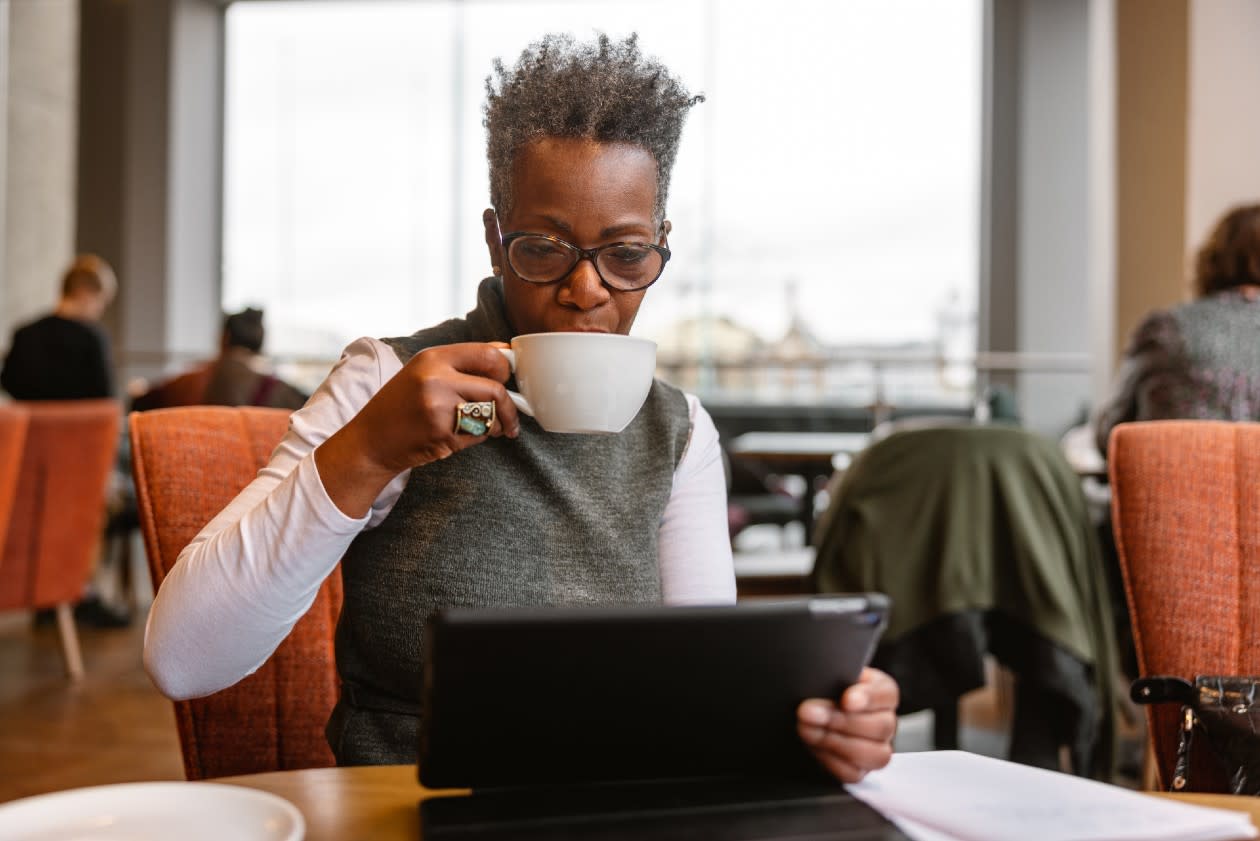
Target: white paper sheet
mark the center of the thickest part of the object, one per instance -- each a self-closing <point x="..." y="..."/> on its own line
<point x="937" y="795"/>
<point x="916" y="831"/>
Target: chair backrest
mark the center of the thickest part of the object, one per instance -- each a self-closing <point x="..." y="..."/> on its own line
<point x="58" y="512"/>
<point x="186" y="389"/>
<point x="190" y="463"/>
<point x="1186" y="515"/>
<point x="13" y="421"/>
<point x="985" y="511"/>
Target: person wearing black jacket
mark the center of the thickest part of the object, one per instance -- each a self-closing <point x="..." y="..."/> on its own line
<point x="65" y="355"/>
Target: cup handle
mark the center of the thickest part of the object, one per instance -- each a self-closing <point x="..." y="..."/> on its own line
<point x="521" y="402"/>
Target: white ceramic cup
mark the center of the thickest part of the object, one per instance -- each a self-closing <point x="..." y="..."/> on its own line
<point x="581" y="382"/>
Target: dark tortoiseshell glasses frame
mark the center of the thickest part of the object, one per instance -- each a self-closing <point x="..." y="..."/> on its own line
<point x="577" y="255"/>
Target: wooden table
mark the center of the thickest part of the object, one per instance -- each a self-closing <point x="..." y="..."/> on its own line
<point x="382" y="802"/>
<point x="1250" y="805"/>
<point x="377" y="802"/>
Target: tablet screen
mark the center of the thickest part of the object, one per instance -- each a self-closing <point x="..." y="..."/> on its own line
<point x="543" y="696"/>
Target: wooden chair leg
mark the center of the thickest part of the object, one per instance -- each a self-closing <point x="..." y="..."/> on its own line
<point x="69" y="641"/>
<point x="1150" y="769"/>
<point x="125" y="577"/>
<point x="1003" y="681"/>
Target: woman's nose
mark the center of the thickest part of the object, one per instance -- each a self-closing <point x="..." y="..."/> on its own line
<point x="582" y="288"/>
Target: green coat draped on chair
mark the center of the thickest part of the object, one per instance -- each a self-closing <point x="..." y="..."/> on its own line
<point x="981" y="537"/>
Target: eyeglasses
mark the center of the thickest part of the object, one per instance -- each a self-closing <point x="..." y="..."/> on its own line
<point x="624" y="266"/>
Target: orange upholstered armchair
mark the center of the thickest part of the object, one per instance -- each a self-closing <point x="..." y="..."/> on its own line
<point x="59" y="510"/>
<point x="189" y="463"/>
<point x="1186" y="514"/>
<point x="187" y="389"/>
<point x="13" y="421"/>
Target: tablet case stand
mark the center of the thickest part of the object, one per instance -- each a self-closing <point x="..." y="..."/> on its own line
<point x="564" y="721"/>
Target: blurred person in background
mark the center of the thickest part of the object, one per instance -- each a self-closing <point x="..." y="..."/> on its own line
<point x="239" y="376"/>
<point x="242" y="376"/>
<point x="65" y="355"/>
<point x="1199" y="360"/>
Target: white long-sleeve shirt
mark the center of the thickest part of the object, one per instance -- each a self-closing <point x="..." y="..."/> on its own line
<point x="243" y="582"/>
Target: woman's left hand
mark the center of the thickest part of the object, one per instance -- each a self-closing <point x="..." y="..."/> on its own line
<point x="854" y="736"/>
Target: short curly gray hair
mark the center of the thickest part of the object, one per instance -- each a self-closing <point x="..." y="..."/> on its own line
<point x="606" y="91"/>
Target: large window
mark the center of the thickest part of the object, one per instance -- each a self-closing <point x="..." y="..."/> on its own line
<point x="825" y="199"/>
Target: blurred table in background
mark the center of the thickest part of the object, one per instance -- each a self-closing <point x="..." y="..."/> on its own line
<point x="798" y="447"/>
<point x="1081" y="450"/>
<point x="810" y="455"/>
<point x="784" y="572"/>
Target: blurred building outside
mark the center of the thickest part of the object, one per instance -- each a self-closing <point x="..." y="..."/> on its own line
<point x="720" y="359"/>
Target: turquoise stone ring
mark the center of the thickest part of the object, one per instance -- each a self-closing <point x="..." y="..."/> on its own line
<point x="474" y="418"/>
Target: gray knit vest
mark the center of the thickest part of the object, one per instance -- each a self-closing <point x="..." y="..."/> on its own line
<point x="546" y="519"/>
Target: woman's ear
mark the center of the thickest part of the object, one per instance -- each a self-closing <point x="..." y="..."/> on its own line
<point x="490" y="221"/>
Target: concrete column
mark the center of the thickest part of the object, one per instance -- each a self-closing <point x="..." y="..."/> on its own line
<point x="152" y="187"/>
<point x="1053" y="229"/>
<point x="999" y="248"/>
<point x="194" y="268"/>
<point x="103" y="51"/>
<point x="38" y="104"/>
<point x="1102" y="196"/>
<point x="1047" y="210"/>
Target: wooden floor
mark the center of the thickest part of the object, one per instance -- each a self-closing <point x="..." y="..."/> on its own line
<point x="111" y="727"/>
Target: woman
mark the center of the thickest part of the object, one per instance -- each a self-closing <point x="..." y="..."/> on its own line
<point x="378" y="466"/>
<point x="1201" y="359"/>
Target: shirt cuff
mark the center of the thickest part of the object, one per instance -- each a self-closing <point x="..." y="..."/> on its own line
<point x="321" y="506"/>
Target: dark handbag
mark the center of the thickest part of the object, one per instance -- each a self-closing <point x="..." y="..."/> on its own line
<point x="1219" y="729"/>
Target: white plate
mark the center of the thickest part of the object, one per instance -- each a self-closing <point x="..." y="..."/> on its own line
<point x="153" y="812"/>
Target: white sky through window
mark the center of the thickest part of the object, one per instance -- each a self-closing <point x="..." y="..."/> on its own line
<point x="833" y="173"/>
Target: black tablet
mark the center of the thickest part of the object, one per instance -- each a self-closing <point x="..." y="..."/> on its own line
<point x="556" y="696"/>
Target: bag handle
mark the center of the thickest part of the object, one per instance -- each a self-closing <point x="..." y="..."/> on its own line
<point x="1172" y="690"/>
<point x="1163" y="690"/>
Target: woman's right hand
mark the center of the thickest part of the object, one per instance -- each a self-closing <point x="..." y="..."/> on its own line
<point x="411" y="421"/>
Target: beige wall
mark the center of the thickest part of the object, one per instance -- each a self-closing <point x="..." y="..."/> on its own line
<point x="1223" y="152"/>
<point x="1187" y="139"/>
<point x="1151" y="100"/>
<point x="39" y="104"/>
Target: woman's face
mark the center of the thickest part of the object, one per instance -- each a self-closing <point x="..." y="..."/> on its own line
<point x="588" y="194"/>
